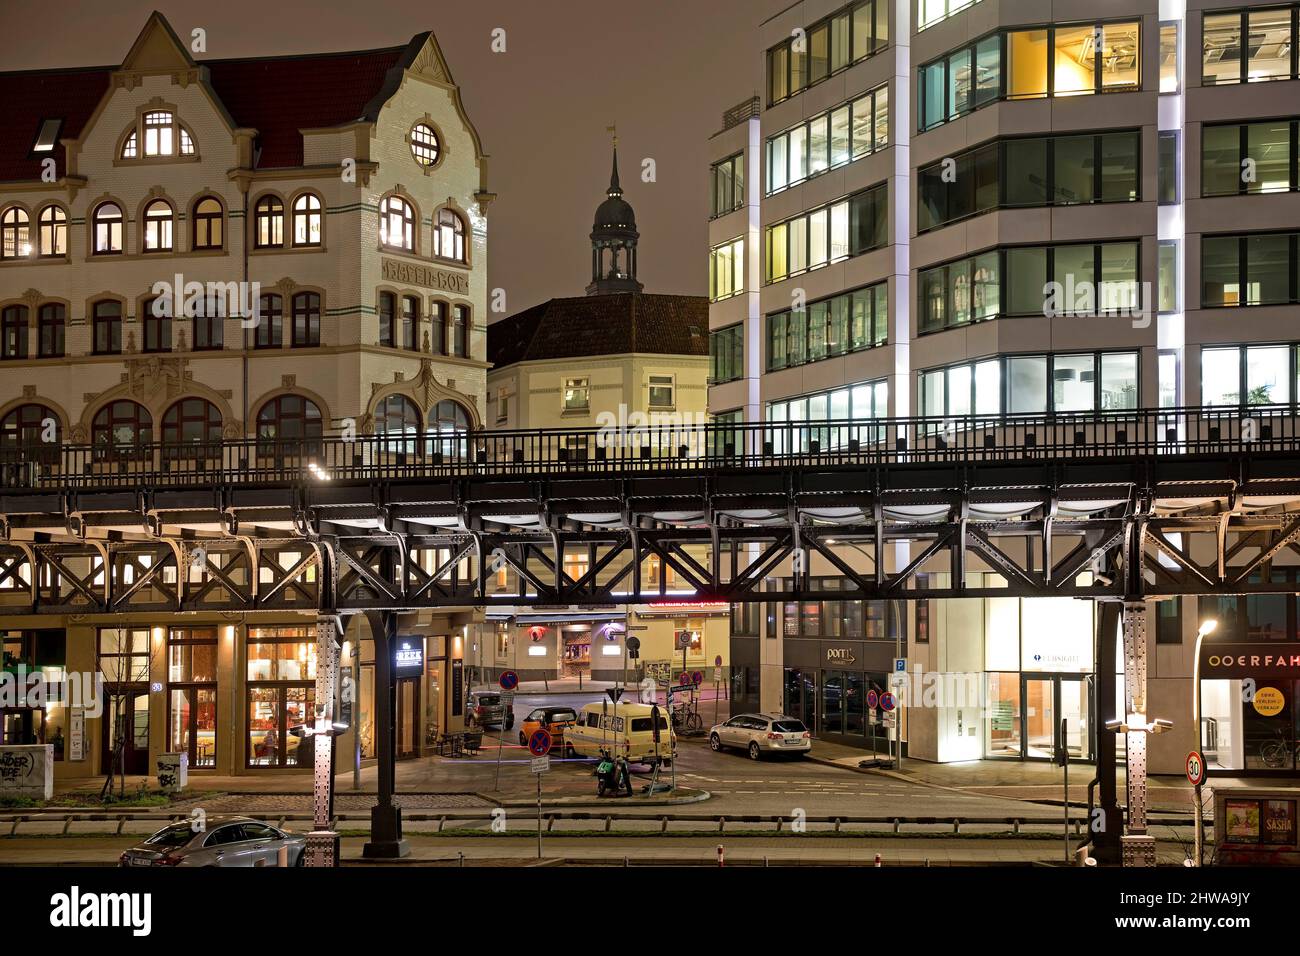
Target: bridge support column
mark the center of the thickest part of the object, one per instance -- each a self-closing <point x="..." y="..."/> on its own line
<point x="386" y="840"/>
<point x="1139" y="847"/>
<point x="323" y="841"/>
<point x="1109" y="825"/>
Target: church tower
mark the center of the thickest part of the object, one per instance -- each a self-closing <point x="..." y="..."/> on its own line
<point x="613" y="242"/>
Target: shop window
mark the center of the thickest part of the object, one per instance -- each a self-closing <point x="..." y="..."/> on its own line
<point x="280" y="695"/>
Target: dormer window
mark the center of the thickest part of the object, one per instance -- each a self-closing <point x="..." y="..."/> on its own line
<point x="159" y="134"/>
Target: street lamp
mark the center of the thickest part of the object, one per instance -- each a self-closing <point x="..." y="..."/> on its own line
<point x="1205" y="630"/>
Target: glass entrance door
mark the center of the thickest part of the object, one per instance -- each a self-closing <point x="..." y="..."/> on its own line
<point x="128" y="721"/>
<point x="1047" y="701"/>
<point x="1040" y="717"/>
<point x="1075" y="708"/>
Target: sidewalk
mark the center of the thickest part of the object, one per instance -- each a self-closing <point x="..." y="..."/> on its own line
<point x="1033" y="781"/>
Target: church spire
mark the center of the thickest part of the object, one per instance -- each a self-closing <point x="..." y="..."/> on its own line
<point x="614" y="240"/>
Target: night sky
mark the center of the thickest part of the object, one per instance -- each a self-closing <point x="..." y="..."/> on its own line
<point x="663" y="70"/>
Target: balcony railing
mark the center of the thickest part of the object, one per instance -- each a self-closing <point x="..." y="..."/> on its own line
<point x="659" y="448"/>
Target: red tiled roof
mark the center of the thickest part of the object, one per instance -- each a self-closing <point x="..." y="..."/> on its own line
<point x="28" y="99"/>
<point x="603" y="325"/>
<point x="277" y="96"/>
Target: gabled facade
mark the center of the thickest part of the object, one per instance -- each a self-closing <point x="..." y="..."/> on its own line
<point x="195" y="250"/>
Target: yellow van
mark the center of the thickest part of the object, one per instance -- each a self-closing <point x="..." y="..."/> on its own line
<point x="630" y="733"/>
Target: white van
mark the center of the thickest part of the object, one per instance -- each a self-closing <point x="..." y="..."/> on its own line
<point x="630" y="733"/>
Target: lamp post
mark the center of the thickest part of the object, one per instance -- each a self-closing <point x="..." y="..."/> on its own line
<point x="1205" y="630"/>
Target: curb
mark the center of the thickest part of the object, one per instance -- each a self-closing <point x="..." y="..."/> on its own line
<point x="697" y="796"/>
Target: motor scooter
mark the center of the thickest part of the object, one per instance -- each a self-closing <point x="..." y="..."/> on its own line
<point x="612" y="776"/>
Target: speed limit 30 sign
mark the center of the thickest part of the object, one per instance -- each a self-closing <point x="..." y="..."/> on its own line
<point x="1196" y="768"/>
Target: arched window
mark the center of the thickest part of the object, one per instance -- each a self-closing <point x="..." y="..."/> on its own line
<point x="53" y="231"/>
<point x="397" y="421"/>
<point x="209" y="226"/>
<point x="108" y="226"/>
<point x="424" y="145"/>
<point x="32" y="428"/>
<point x="387" y="318"/>
<point x="15" y="234"/>
<point x="410" y="332"/>
<point x="268" y="220"/>
<point x="307" y="220"/>
<point x="121" y="429"/>
<point x="13" y="332"/>
<point x="289" y="425"/>
<point x="50" y="321"/>
<point x="192" y="422"/>
<point x="449" y="236"/>
<point x="162" y="135"/>
<point x="460" y="331"/>
<point x="397" y="223"/>
<point x="306" y="320"/>
<point x="448" y="430"/>
<point x="438" y="328"/>
<point x="270" y="325"/>
<point x="158" y="226"/>
<point x="107" y="327"/>
<point x="156" y="321"/>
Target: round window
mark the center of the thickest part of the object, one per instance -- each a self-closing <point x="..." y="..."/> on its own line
<point x="424" y="145"/>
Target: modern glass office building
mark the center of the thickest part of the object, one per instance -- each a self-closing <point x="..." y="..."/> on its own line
<point x="952" y="208"/>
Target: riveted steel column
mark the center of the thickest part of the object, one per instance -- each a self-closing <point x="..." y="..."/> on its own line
<point x="322" y="841"/>
<point x="1139" y="847"/>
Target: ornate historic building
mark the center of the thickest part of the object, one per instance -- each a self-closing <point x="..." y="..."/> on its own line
<point x="192" y="250"/>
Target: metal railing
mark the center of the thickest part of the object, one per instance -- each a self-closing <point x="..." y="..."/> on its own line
<point x="660" y="448"/>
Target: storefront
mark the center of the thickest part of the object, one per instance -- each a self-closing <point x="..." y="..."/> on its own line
<point x="281" y="694"/>
<point x="26" y="715"/>
<point x="827" y="683"/>
<point x="1038" y="661"/>
<point x="1250" y="707"/>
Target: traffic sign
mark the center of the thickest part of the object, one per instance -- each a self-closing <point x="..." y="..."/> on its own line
<point x="539" y="744"/>
<point x="891" y="719"/>
<point x="717" y="661"/>
<point x="873" y="699"/>
<point x="900" y="665"/>
<point x="683" y="640"/>
<point x="1196" y="768"/>
<point x="508" y="680"/>
<point x="887" y="701"/>
<point x="540" y="764"/>
<point x="697" y="678"/>
<point x="614" y="693"/>
<point x="632" y="643"/>
<point x="717" y="674"/>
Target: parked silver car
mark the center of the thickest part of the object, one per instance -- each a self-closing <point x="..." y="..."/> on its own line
<point x="758" y="734"/>
<point x="485" y="709"/>
<point x="224" y="841"/>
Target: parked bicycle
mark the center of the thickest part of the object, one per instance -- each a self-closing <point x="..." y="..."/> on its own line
<point x="1277" y="753"/>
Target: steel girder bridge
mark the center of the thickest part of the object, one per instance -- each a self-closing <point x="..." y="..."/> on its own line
<point x="1115" y="507"/>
